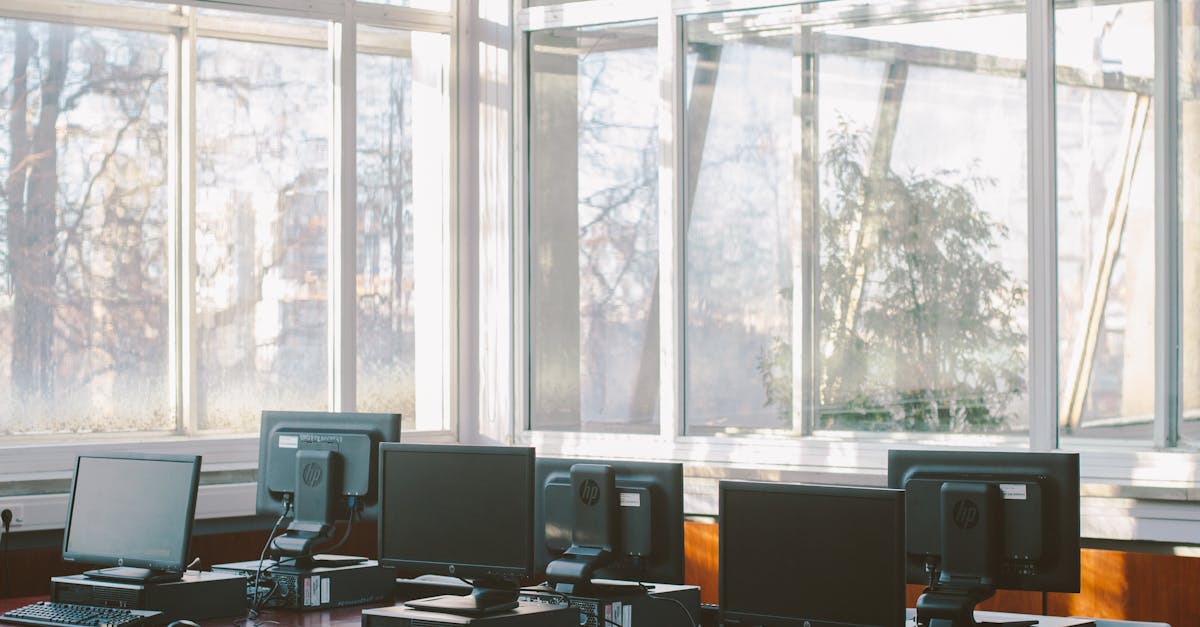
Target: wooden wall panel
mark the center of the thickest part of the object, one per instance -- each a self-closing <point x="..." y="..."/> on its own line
<point x="701" y="552"/>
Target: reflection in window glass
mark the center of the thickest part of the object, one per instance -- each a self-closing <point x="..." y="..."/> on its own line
<point x="1189" y="187"/>
<point x="1105" y="130"/>
<point x="843" y="146"/>
<point x="402" y="110"/>
<point x="262" y="114"/>
<point x="83" y="230"/>
<point x="594" y="229"/>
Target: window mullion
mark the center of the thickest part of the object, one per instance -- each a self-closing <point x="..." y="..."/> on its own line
<point x="671" y="236"/>
<point x="184" y="357"/>
<point x="1043" y="223"/>
<point x="1168" y="323"/>
<point x="342" y="225"/>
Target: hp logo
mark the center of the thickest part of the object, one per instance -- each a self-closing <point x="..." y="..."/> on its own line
<point x="452" y="569"/>
<point x="966" y="514"/>
<point x="589" y="492"/>
<point x="312" y="475"/>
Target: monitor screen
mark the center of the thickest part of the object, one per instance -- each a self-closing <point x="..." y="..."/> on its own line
<point x="801" y="554"/>
<point x="457" y="510"/>
<point x="132" y="510"/>
<point x="649" y="534"/>
<point x="1037" y="536"/>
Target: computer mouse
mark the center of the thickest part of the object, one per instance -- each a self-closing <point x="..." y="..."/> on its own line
<point x="183" y="622"/>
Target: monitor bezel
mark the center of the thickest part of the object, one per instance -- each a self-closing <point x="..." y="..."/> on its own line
<point x="973" y="465"/>
<point x="173" y="566"/>
<point x="386" y="425"/>
<point x="896" y="497"/>
<point x="458" y="569"/>
<point x="666" y="476"/>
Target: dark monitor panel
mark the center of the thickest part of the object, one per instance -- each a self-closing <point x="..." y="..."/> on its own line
<point x="457" y="510"/>
<point x="350" y="440"/>
<point x="817" y="556"/>
<point x="132" y="510"/>
<point x="1036" y="520"/>
<point x="648" y="517"/>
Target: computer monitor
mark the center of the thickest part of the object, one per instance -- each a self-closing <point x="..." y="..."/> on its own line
<point x="823" y="556"/>
<point x="982" y="520"/>
<point x="608" y="519"/>
<point x="134" y="513"/>
<point x="320" y="468"/>
<point x="465" y="511"/>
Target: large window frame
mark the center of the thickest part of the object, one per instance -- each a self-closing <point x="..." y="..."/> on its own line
<point x="1167" y="470"/>
<point x="33" y="468"/>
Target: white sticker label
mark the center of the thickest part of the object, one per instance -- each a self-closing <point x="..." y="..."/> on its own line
<point x="289" y="441"/>
<point x="628" y="616"/>
<point x="307" y="587"/>
<point x="631" y="499"/>
<point x="1014" y="491"/>
<point x="325" y="590"/>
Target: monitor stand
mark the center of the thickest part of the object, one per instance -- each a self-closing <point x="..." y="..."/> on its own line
<point x="487" y="597"/>
<point x="133" y="575"/>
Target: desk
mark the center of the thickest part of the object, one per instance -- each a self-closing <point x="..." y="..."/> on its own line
<point x="340" y="617"/>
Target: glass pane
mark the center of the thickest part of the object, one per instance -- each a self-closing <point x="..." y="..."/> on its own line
<point x="1189" y="184"/>
<point x="825" y="165"/>
<point x="593" y="198"/>
<point x="430" y="5"/>
<point x="403" y="189"/>
<point x="1106" y="220"/>
<point x="83" y="230"/>
<point x="262" y="114"/>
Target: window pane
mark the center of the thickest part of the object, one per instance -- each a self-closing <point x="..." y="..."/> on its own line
<point x="83" y="230"/>
<point x="403" y="190"/>
<point x="1189" y="183"/>
<point x="593" y="199"/>
<point x="262" y="119"/>
<point x="430" y="5"/>
<point x="843" y="145"/>
<point x="1106" y="219"/>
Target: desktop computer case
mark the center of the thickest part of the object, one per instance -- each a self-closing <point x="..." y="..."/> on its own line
<point x="627" y="606"/>
<point x="314" y="588"/>
<point x="525" y="615"/>
<point x="198" y="596"/>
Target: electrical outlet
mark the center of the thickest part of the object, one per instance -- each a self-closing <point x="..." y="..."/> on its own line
<point x="18" y="511"/>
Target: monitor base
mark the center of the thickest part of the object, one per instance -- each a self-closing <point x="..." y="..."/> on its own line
<point x="132" y="575"/>
<point x="485" y="598"/>
<point x="954" y="606"/>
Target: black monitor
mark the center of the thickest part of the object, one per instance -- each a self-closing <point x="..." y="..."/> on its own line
<point x="465" y="511"/>
<point x="819" y="556"/>
<point x="608" y="519"/>
<point x="982" y="520"/>
<point x="134" y="513"/>
<point x="319" y="468"/>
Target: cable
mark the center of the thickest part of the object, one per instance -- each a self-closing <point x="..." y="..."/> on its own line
<point x="582" y="610"/>
<point x="255" y="603"/>
<point x="691" y="619"/>
<point x="6" y="519"/>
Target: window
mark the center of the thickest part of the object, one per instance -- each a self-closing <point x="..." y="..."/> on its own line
<point x="829" y="190"/>
<point x="165" y="220"/>
<point x="262" y="152"/>
<point x="83" y="230"/>
<point x="593" y="322"/>
<point x="403" y="110"/>
<point x="1106" y="220"/>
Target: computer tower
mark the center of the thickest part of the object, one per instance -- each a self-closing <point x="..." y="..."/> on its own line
<point x="622" y="604"/>
<point x="198" y="596"/>
<point x="289" y="587"/>
<point x="525" y="615"/>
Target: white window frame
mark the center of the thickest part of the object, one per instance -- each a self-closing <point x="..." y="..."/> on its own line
<point x="1132" y="491"/>
<point x="33" y="469"/>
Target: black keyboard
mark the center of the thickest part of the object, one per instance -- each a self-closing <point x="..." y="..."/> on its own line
<point x="49" y="614"/>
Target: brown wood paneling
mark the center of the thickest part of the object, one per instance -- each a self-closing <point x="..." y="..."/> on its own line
<point x="1134" y="586"/>
<point x="701" y="552"/>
